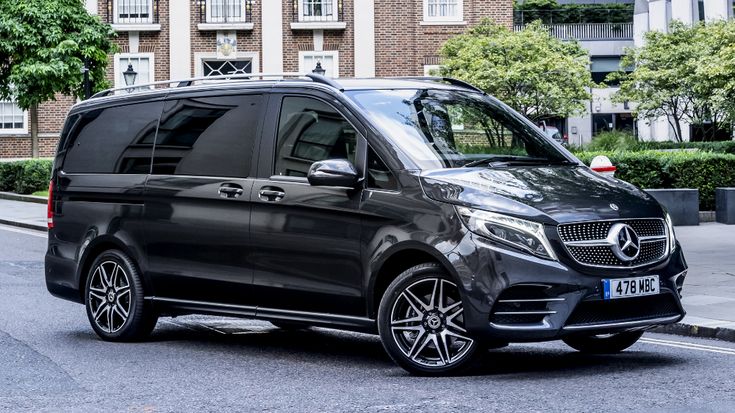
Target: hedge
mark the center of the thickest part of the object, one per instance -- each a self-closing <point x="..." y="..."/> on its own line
<point x="625" y="141"/>
<point x="25" y="177"/>
<point x="653" y="169"/>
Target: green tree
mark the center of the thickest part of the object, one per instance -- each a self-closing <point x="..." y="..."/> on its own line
<point x="44" y="45"/>
<point x="534" y="73"/>
<point x="683" y="75"/>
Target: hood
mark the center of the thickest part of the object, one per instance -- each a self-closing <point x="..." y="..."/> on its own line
<point x="548" y="194"/>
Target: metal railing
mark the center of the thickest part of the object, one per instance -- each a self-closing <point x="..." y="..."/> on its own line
<point x="225" y="11"/>
<point x="318" y="11"/>
<point x="132" y="11"/>
<point x="588" y="31"/>
<point x="575" y="15"/>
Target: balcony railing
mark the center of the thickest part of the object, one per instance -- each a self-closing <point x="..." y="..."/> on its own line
<point x="225" y="11"/>
<point x="622" y="13"/>
<point x="588" y="31"/>
<point x="132" y="12"/>
<point x="318" y="11"/>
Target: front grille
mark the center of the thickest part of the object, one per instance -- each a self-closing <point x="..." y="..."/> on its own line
<point x="651" y="250"/>
<point x="623" y="309"/>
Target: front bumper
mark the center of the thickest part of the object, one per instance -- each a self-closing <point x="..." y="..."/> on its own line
<point x="514" y="297"/>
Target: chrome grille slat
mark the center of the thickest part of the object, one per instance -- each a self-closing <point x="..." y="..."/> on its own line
<point x="586" y="242"/>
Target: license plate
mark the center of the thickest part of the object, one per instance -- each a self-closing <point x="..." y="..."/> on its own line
<point x="630" y="287"/>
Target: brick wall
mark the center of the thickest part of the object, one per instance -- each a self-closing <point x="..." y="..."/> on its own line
<point x="20" y="147"/>
<point x="303" y="40"/>
<point x="403" y="45"/>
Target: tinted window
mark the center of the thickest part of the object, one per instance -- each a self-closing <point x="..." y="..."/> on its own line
<point x="310" y="130"/>
<point x="208" y="136"/>
<point x="379" y="176"/>
<point x="113" y="140"/>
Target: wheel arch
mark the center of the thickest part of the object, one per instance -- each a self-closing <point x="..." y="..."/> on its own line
<point x="93" y="249"/>
<point x="395" y="261"/>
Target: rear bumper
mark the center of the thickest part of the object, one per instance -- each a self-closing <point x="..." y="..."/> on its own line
<point x="515" y="297"/>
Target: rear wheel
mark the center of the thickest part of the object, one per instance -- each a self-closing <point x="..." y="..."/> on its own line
<point x="421" y="323"/>
<point x="114" y="299"/>
<point x="603" y="343"/>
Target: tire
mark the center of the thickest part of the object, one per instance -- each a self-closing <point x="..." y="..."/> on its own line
<point x="603" y="344"/>
<point x="114" y="286"/>
<point x="421" y="323"/>
<point x="290" y="325"/>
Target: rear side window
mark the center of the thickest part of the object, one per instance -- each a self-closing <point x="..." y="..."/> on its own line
<point x="208" y="136"/>
<point x="310" y="130"/>
<point x="113" y="140"/>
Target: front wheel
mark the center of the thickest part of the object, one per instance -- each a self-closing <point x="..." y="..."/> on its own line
<point x="603" y="343"/>
<point x="421" y="323"/>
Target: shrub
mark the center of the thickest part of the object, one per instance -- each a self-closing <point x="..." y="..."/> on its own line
<point x="704" y="171"/>
<point x="613" y="141"/>
<point x="25" y="177"/>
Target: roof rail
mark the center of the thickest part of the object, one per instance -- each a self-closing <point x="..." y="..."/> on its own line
<point x="452" y="81"/>
<point x="245" y="76"/>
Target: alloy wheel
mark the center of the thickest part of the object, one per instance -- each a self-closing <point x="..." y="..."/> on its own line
<point x="427" y="323"/>
<point x="109" y="296"/>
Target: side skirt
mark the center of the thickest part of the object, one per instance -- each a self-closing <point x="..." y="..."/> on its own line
<point x="175" y="306"/>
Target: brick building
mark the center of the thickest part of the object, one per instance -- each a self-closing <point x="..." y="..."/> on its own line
<point x="175" y="39"/>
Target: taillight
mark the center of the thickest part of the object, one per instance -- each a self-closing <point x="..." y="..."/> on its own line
<point x="49" y="207"/>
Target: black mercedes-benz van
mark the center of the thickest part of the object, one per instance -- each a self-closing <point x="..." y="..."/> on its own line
<point x="421" y="209"/>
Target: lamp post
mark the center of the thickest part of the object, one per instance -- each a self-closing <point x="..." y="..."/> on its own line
<point x="129" y="75"/>
<point x="319" y="70"/>
<point x="86" y="82"/>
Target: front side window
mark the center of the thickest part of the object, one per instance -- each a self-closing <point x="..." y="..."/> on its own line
<point x="443" y="10"/>
<point x="133" y="11"/>
<point x="451" y="128"/>
<point x="310" y="130"/>
<point x="12" y="118"/>
<point x="318" y="10"/>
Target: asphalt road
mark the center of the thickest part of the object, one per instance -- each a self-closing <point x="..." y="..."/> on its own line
<point x="50" y="360"/>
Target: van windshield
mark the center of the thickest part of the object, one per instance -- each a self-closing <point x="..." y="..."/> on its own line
<point x="451" y="129"/>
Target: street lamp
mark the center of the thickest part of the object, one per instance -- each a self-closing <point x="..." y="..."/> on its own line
<point x="319" y="70"/>
<point x="86" y="82"/>
<point x="129" y="75"/>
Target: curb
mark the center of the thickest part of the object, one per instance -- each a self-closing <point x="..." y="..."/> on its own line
<point x="25" y="198"/>
<point x="25" y="225"/>
<point x="691" y="330"/>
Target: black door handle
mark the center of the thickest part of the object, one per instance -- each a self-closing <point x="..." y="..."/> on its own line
<point x="271" y="194"/>
<point x="230" y="191"/>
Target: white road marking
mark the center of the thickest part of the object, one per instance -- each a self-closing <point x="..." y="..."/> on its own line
<point x="25" y="231"/>
<point x="689" y="346"/>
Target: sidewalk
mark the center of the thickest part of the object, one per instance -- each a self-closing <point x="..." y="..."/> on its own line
<point x="709" y="290"/>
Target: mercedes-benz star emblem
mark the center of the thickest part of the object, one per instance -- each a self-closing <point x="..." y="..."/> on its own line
<point x="624" y="241"/>
<point x="614" y="207"/>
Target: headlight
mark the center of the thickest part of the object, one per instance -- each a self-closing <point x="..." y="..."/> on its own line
<point x="519" y="233"/>
<point x="670" y="227"/>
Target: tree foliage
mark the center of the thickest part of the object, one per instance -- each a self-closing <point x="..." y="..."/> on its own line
<point x="686" y="75"/>
<point x="43" y="47"/>
<point x="533" y="72"/>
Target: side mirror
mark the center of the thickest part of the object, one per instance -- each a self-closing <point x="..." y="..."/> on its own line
<point x="333" y="172"/>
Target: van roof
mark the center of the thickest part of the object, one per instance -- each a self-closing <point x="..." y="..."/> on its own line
<point x="313" y="82"/>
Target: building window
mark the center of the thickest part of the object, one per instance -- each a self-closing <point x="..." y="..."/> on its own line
<point x="431" y="70"/>
<point x="133" y="11"/>
<point x="443" y="10"/>
<point x="228" y="11"/>
<point x="329" y="61"/>
<point x="318" y="10"/>
<point x="142" y="64"/>
<point x="602" y="66"/>
<point x="12" y="118"/>
<point x="226" y="67"/>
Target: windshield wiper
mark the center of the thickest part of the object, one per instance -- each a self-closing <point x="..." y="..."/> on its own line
<point x="508" y="159"/>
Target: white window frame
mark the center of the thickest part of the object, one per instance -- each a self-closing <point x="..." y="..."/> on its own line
<point x="119" y="67"/>
<point x="334" y="54"/>
<point x="243" y="13"/>
<point x="433" y="19"/>
<point x="128" y="20"/>
<point x="16" y="131"/>
<point x="333" y="18"/>
<point x="199" y="58"/>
